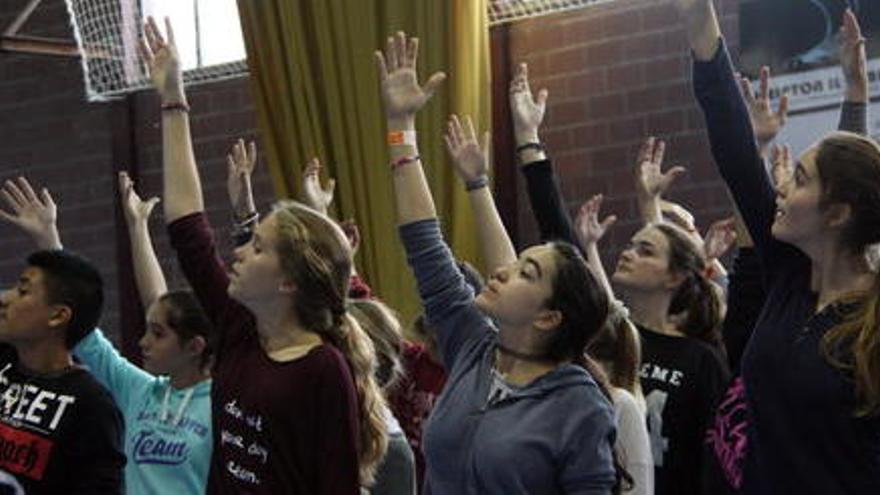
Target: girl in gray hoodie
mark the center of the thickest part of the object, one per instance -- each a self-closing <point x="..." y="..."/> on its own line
<point x="520" y="413"/>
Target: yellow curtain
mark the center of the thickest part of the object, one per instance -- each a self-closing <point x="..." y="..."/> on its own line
<point x="316" y="93"/>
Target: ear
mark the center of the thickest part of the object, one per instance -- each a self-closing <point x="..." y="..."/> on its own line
<point x="197" y="345"/>
<point x="837" y="214"/>
<point x="287" y="287"/>
<point x="548" y="319"/>
<point x="60" y="317"/>
<point x="674" y="280"/>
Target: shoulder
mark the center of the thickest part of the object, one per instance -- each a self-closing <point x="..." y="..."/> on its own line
<point x="89" y="396"/>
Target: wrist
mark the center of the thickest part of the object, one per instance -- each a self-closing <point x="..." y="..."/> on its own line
<point x="525" y="137"/>
<point x="856" y="93"/>
<point x="402" y="123"/>
<point x="476" y="183"/>
<point x="173" y="96"/>
<point x="49" y="240"/>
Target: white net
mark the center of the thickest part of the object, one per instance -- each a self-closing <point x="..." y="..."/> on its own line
<point x="208" y="37"/>
<point x="503" y="11"/>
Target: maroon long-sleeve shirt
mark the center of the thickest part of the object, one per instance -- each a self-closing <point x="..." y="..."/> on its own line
<point x="279" y="427"/>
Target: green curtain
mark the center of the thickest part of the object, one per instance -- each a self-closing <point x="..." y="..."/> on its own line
<point x="316" y="93"/>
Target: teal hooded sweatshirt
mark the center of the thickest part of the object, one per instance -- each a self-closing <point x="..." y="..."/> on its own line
<point x="167" y="431"/>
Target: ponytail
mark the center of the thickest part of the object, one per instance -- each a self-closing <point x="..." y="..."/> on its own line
<point x="853" y="346"/>
<point x="700" y="305"/>
<point x="355" y="345"/>
<point x="623" y="481"/>
<point x="696" y="300"/>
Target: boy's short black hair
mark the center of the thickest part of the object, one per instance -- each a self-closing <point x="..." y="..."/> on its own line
<point x="72" y="281"/>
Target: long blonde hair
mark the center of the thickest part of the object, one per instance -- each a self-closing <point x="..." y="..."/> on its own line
<point x="315" y="254"/>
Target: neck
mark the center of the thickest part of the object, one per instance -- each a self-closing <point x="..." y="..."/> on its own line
<point x="836" y="276"/>
<point x="516" y="357"/>
<point x="188" y="377"/>
<point x="279" y="328"/>
<point x="650" y="310"/>
<point x="44" y="356"/>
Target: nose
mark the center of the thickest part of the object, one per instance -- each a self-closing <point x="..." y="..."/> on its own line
<point x="142" y="343"/>
<point x="501" y="274"/>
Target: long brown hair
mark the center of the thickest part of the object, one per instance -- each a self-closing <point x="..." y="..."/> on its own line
<point x="383" y="326"/>
<point x="617" y="348"/>
<point x="583" y="304"/>
<point x="695" y="298"/>
<point x="315" y="254"/>
<point x="849" y="171"/>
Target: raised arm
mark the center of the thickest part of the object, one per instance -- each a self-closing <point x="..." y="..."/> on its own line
<point x="731" y="137"/>
<point x="471" y="160"/>
<point x="240" y="167"/>
<point x="854" y="65"/>
<point x="36" y="216"/>
<point x="651" y="181"/>
<point x="189" y="230"/>
<point x="545" y="195"/>
<point x="403" y="96"/>
<point x="182" y="188"/>
<point x="447" y="298"/>
<point x="316" y="195"/>
<point x="147" y="272"/>
<point x="766" y="122"/>
<point x="590" y="231"/>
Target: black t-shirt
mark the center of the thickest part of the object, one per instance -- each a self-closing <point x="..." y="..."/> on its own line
<point x="682" y="379"/>
<point x="59" y="433"/>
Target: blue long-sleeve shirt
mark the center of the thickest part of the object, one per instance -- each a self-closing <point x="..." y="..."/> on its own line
<point x="553" y="436"/>
<point x="803" y="435"/>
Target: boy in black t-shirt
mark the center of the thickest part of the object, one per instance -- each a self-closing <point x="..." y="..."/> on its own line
<point x="60" y="431"/>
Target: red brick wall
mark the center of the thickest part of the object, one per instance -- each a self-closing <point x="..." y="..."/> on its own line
<point x="52" y="135"/>
<point x="617" y="73"/>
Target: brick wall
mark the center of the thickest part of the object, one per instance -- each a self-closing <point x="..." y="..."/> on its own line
<point x="617" y="73"/>
<point x="52" y="135"/>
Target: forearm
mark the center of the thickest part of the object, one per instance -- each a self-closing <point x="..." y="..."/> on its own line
<point x="595" y="263"/>
<point x="649" y="209"/>
<point x="182" y="189"/>
<point x="548" y="205"/>
<point x="854" y="117"/>
<point x="49" y="240"/>
<point x="704" y="32"/>
<point x="147" y="271"/>
<point x="411" y="192"/>
<point x="495" y="245"/>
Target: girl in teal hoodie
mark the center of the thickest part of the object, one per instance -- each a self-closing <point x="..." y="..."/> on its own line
<point x="167" y="404"/>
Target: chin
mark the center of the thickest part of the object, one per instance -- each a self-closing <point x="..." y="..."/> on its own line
<point x="483" y="304"/>
<point x="779" y="232"/>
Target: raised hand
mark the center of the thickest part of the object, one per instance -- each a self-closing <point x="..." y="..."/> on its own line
<point x="720" y="238"/>
<point x="137" y="211"/>
<point x="314" y="194"/>
<point x="651" y="180"/>
<point x="163" y="61"/>
<point x="782" y="168"/>
<point x="765" y="122"/>
<point x="36" y="215"/>
<point x="589" y="229"/>
<point x="853" y="60"/>
<point x="240" y="166"/>
<point x="402" y="95"/>
<point x="470" y="157"/>
<point x="526" y="110"/>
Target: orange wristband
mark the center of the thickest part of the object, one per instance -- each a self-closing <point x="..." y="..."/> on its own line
<point x="396" y="138"/>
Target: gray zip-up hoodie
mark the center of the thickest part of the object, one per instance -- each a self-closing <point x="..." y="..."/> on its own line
<point x="553" y="436"/>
